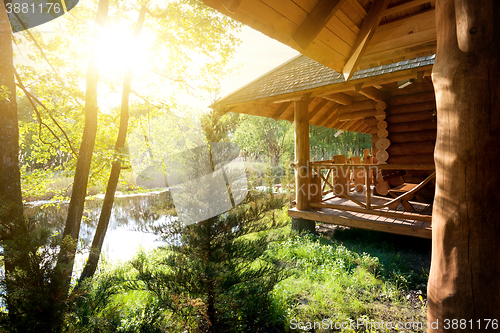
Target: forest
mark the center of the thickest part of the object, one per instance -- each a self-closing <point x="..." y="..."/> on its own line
<point x="96" y="114"/>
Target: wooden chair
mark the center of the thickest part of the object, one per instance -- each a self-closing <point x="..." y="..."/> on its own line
<point x="404" y="191"/>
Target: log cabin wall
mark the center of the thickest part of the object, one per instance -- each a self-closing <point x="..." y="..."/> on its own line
<point x="412" y="126"/>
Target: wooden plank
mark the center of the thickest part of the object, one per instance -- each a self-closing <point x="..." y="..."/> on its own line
<point x="384" y="213"/>
<point x="413" y="116"/>
<point x="420" y="136"/>
<point x="327" y="116"/>
<point x="317" y="108"/>
<point x="340" y="98"/>
<point x="357" y="126"/>
<point x="404" y="6"/>
<point x="231" y="5"/>
<point x="358" y="106"/>
<point x="403" y="41"/>
<point x="316" y="21"/>
<point x="356" y="115"/>
<point x="414" y="88"/>
<point x="366" y="32"/>
<point x="412" y="148"/>
<point x="397" y="53"/>
<point x="347" y="125"/>
<point x="411" y="108"/>
<point x="422" y="232"/>
<point x="412" y="99"/>
<point x="405" y="26"/>
<point x="374" y="94"/>
<point x="281" y="110"/>
<point x="412" y="126"/>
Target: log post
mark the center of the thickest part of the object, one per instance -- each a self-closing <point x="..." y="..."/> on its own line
<point x="302" y="170"/>
<point x="464" y="279"/>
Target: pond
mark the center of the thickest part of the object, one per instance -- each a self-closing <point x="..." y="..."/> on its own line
<point x="129" y="227"/>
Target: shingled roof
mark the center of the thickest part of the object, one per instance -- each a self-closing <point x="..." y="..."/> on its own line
<point x="302" y="73"/>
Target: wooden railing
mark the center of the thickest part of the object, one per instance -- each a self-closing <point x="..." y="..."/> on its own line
<point x="340" y="178"/>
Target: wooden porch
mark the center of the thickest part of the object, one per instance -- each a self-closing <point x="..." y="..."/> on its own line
<point x="408" y="225"/>
<point x="343" y="194"/>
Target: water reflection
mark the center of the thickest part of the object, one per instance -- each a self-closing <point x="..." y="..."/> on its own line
<point x="132" y="218"/>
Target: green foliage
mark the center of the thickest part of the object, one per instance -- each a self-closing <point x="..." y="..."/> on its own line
<point x="4" y="92"/>
<point x="188" y="47"/>
<point x="324" y="144"/>
<point x="265" y="137"/>
<point x="218" y="272"/>
<point x="338" y="283"/>
<point x="273" y="141"/>
<point x="34" y="303"/>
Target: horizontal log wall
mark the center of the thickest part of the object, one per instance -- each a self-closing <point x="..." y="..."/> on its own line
<point x="411" y="123"/>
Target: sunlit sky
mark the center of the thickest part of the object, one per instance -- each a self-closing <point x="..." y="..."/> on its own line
<point x="256" y="55"/>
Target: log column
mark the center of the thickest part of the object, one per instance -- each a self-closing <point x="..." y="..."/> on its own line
<point x="302" y="170"/>
<point x="464" y="281"/>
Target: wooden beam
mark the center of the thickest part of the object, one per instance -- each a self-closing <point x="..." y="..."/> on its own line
<point x="404" y="6"/>
<point x="339" y="98"/>
<point x="281" y="110"/>
<point x="365" y="34"/>
<point x="358" y="127"/>
<point x="328" y="114"/>
<point x="315" y="21"/>
<point x="348" y="125"/>
<point x="318" y="108"/>
<point x="358" y="106"/>
<point x="231" y="5"/>
<point x="374" y="93"/>
<point x="356" y="115"/>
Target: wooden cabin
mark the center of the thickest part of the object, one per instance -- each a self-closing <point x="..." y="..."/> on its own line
<point x="395" y="103"/>
<point x="353" y="35"/>
<point x="365" y="67"/>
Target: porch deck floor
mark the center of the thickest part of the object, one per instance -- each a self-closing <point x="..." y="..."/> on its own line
<point x="369" y="221"/>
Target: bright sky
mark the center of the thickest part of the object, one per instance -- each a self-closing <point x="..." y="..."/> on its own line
<point x="257" y="55"/>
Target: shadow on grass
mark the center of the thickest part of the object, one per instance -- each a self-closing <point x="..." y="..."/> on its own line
<point x="399" y="255"/>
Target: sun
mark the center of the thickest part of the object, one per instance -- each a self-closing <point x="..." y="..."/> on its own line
<point x="118" y="49"/>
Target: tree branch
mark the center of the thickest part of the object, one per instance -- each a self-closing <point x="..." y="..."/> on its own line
<point x="30" y="97"/>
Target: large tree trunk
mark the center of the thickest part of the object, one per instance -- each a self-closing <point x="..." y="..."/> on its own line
<point x="109" y="197"/>
<point x="10" y="183"/>
<point x="11" y="204"/>
<point x="77" y="202"/>
<point x="464" y="280"/>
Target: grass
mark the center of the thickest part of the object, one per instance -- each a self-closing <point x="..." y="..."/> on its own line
<point x="337" y="277"/>
<point x="348" y="276"/>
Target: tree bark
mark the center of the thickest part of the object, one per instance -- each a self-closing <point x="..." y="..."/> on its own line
<point x="11" y="204"/>
<point x="464" y="280"/>
<point x="109" y="197"/>
<point x="10" y="180"/>
<point x="77" y="202"/>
